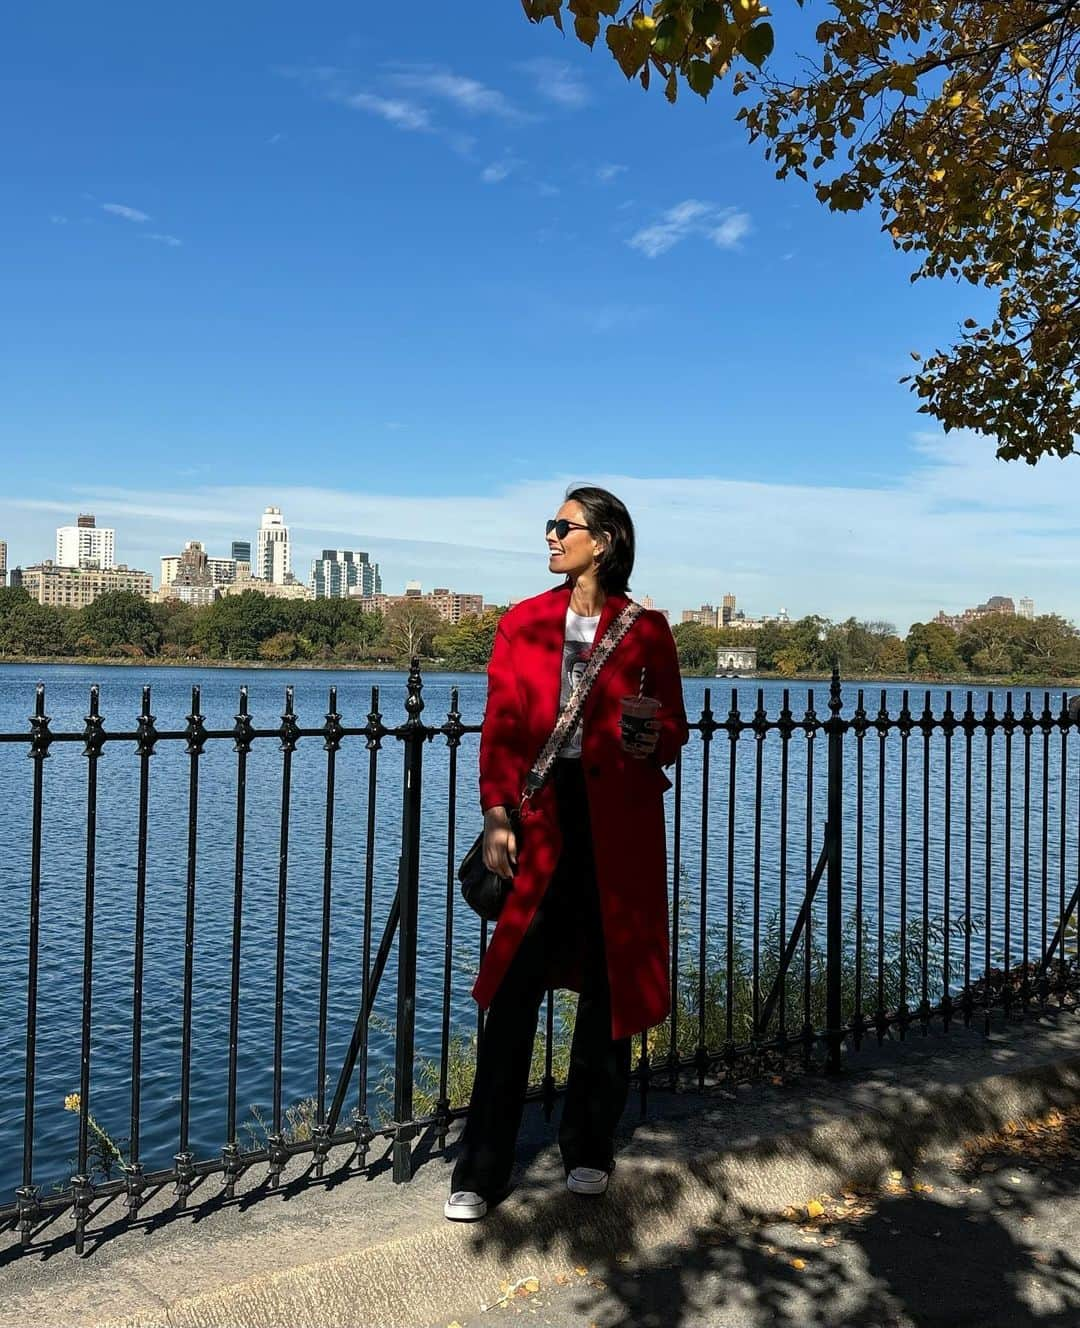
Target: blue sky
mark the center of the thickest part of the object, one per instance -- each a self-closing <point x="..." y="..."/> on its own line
<point x="407" y="278"/>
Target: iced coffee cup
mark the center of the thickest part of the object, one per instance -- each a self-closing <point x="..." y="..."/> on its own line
<point x="637" y="711"/>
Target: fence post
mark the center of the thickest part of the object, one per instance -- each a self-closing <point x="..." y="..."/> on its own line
<point x="835" y="727"/>
<point x="409" y="894"/>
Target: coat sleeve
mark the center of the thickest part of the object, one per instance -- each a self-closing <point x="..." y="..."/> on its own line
<point x="674" y="732"/>
<point x="501" y="761"/>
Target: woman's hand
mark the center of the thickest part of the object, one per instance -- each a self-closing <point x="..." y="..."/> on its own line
<point x="645" y="743"/>
<point x="500" y="843"/>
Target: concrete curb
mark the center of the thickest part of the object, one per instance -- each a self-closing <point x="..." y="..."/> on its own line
<point x="542" y="1231"/>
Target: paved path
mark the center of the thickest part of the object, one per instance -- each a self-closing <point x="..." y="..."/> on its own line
<point x="687" y="1234"/>
<point x="989" y="1238"/>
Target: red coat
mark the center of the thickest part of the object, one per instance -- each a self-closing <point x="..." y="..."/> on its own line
<point x="625" y="794"/>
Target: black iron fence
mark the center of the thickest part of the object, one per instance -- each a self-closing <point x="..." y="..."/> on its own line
<point x="946" y="842"/>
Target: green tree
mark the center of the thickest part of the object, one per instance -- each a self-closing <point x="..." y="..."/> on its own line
<point x="770" y="640"/>
<point x="29" y="628"/>
<point x="119" y="618"/>
<point x="1051" y="647"/>
<point x="696" y="645"/>
<point x="931" y="648"/>
<point x="409" y="625"/>
<point x="234" y="626"/>
<point x="892" y="657"/>
<point x="281" y="647"/>
<point x="360" y="631"/>
<point x="177" y="622"/>
<point x="959" y="121"/>
<point x="791" y="659"/>
<point x="467" y="644"/>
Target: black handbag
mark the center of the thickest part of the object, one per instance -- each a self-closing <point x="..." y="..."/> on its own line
<point x="482" y="889"/>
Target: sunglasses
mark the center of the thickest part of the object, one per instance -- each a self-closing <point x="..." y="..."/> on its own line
<point x="562" y="527"/>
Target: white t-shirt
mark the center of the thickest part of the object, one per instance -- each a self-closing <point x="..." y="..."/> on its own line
<point x="577" y="647"/>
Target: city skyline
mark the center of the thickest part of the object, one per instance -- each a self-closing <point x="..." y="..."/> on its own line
<point x="222" y="573"/>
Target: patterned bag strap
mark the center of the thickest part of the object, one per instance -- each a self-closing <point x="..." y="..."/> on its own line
<point x="560" y="735"/>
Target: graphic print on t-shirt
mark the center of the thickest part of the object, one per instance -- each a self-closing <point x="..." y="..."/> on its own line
<point x="577" y="647"/>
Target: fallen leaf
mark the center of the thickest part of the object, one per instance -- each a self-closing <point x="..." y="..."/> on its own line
<point x="920" y="1188"/>
<point x="814" y="1209"/>
<point x="563" y="1279"/>
<point x="453" y="1324"/>
<point x="597" y="1284"/>
<point x="580" y="1271"/>
<point x="896" y="1175"/>
<point x="527" y="1286"/>
<point x="798" y="1264"/>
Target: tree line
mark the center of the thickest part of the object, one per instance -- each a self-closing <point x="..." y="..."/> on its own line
<point x="255" y="627"/>
<point x="122" y="625"/>
<point x="998" y="645"/>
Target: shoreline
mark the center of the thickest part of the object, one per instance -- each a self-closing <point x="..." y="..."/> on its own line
<point x="967" y="681"/>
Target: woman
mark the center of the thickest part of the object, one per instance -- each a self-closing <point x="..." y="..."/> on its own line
<point x="588" y="907"/>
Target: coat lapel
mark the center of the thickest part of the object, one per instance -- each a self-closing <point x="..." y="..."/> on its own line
<point x="550" y="633"/>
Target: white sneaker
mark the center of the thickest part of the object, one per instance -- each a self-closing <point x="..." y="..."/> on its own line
<point x="587" y="1180"/>
<point x="464" y="1206"/>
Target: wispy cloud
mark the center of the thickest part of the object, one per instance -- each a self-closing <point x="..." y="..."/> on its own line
<point x="610" y="170"/>
<point x="58" y="220"/>
<point x="734" y="227"/>
<point x="498" y="171"/>
<point x="969" y="525"/>
<point x="173" y="241"/>
<point x="407" y="113"/>
<point x="397" y="111"/>
<point x="725" y="227"/>
<point x="558" y="82"/>
<point x="122" y="210"/>
<point x="434" y="83"/>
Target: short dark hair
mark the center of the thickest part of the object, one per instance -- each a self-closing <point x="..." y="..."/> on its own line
<point x="606" y="515"/>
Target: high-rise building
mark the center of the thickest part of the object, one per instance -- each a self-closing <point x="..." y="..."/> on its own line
<point x="223" y="571"/>
<point x="706" y="616"/>
<point x="86" y="544"/>
<point x="452" y="606"/>
<point x="241" y="551"/>
<point x="3" y="563"/>
<point x="272" y="560"/>
<point x="647" y="602"/>
<point x="339" y="573"/>
<point x="192" y="581"/>
<point x="76" y="587"/>
<point x="727" y="610"/>
<point x="1026" y="609"/>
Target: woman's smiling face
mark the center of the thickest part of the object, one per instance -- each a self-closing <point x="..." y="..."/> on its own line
<point x="576" y="553"/>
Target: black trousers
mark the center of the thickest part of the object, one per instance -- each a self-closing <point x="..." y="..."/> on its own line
<point x="567" y="920"/>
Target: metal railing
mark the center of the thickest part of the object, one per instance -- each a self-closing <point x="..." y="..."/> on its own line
<point x="928" y="819"/>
